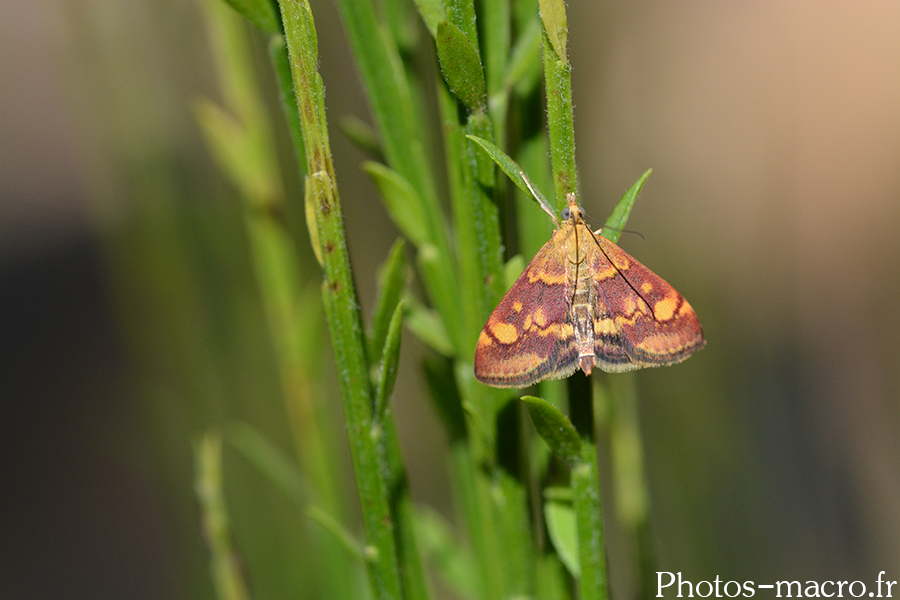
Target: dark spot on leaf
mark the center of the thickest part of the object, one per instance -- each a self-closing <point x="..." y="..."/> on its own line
<point x="329" y="247"/>
<point x="324" y="206"/>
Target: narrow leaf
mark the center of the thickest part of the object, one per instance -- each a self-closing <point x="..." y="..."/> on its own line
<point x="228" y="141"/>
<point x="552" y="579"/>
<point x="309" y="204"/>
<point x="346" y="539"/>
<point x="278" y="53"/>
<point x="389" y="359"/>
<point x="561" y="526"/>
<point x="555" y="428"/>
<point x="461" y="66"/>
<point x="443" y="296"/>
<point x="513" y="171"/>
<point x="223" y="558"/>
<point x="553" y="14"/>
<point x="445" y="393"/>
<point x="392" y="97"/>
<point x="262" y="13"/>
<point x="401" y="201"/>
<point x="524" y="68"/>
<point x="513" y="269"/>
<point x="494" y="21"/>
<point x="270" y="461"/>
<point x="428" y="327"/>
<point x="399" y="18"/>
<point x="391" y="283"/>
<point x="432" y="13"/>
<point x="452" y="563"/>
<point x="362" y="135"/>
<point x="616" y="221"/>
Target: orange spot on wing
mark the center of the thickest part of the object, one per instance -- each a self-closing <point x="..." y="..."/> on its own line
<point x="504" y="332"/>
<point x="665" y="308"/>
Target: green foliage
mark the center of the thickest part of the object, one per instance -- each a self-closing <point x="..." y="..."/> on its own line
<point x="390" y="357"/>
<point x="512" y="170"/>
<point x="555" y="428"/>
<point x="223" y="566"/>
<point x="616" y="221"/>
<point x="461" y="66"/>
<point x="562" y="527"/>
<point x="262" y="13"/>
<point x="553" y="15"/>
<point x="392" y="282"/>
<point x="462" y="271"/>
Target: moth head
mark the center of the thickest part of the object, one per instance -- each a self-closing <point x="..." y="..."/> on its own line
<point x="571" y="211"/>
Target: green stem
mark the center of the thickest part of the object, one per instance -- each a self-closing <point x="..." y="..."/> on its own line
<point x="585" y="479"/>
<point x="557" y="76"/>
<point x="278" y="53"/>
<point x="392" y="99"/>
<point x="621" y="423"/>
<point x="496" y="34"/>
<point x="224" y="562"/>
<point x="341" y="306"/>
<point x="586" y="501"/>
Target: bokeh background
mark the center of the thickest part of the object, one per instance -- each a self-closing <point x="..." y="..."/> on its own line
<point x="131" y="324"/>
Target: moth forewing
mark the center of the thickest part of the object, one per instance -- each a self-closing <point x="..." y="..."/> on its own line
<point x="583" y="302"/>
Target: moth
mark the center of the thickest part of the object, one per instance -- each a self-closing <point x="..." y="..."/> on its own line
<point x="583" y="302"/>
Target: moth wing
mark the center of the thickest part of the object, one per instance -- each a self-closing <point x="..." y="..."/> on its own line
<point x="642" y="321"/>
<point x="528" y="337"/>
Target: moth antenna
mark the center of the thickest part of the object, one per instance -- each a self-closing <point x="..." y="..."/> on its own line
<point x="631" y="231"/>
<point x="591" y="220"/>
<point x="539" y="199"/>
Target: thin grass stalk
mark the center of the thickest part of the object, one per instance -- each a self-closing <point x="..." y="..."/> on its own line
<point x="392" y="100"/>
<point x="472" y="193"/>
<point x="341" y="306"/>
<point x="496" y="34"/>
<point x="241" y="138"/>
<point x="476" y="476"/>
<point x="253" y="166"/>
<point x="498" y="518"/>
<point x="621" y="423"/>
<point x="224" y="562"/>
<point x="560" y="125"/>
<point x="586" y="499"/>
<point x="585" y="480"/>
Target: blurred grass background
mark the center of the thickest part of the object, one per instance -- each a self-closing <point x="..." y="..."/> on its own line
<point x="131" y="320"/>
